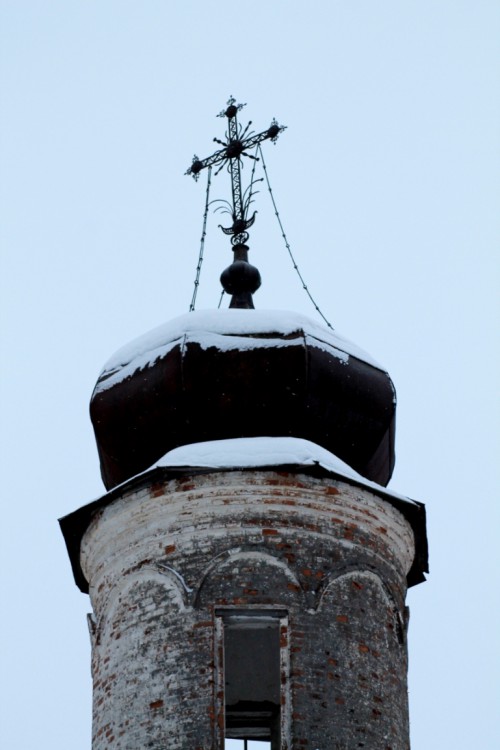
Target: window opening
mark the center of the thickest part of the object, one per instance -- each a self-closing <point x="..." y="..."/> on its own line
<point x="252" y="670"/>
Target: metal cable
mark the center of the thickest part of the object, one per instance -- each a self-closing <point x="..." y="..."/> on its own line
<point x="287" y="244"/>
<point x="202" y="242"/>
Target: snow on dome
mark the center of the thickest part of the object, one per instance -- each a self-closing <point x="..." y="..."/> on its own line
<point x="245" y="453"/>
<point x="225" y="330"/>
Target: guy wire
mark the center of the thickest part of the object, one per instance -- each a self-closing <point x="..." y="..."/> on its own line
<point x="202" y="242"/>
<point x="287" y="244"/>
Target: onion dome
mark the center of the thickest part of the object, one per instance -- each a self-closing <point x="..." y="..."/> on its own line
<point x="214" y="375"/>
<point x="240" y="373"/>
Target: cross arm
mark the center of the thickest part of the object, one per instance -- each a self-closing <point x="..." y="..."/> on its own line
<point x="272" y="133"/>
<point x="235" y="148"/>
<point x="199" y="164"/>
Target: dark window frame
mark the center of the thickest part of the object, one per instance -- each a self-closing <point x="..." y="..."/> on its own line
<point x="253" y="617"/>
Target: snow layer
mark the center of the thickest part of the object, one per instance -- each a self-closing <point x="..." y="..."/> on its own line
<point x="246" y="453"/>
<point x="226" y="330"/>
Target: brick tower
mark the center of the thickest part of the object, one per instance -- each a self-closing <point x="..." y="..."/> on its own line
<point x="247" y="567"/>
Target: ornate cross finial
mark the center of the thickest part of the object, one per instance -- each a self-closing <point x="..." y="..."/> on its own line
<point x="240" y="279"/>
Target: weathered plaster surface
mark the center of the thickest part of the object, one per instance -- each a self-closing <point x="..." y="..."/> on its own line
<point x="161" y="559"/>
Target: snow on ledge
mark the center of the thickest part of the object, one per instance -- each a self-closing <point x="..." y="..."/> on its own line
<point x="224" y="330"/>
<point x="246" y="453"/>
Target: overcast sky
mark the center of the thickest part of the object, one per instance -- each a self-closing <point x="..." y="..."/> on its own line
<point x="387" y="180"/>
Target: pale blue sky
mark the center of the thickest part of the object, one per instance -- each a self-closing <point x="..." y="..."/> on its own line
<point x="387" y="179"/>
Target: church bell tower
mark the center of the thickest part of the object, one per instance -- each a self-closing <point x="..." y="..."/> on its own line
<point x="247" y="567"/>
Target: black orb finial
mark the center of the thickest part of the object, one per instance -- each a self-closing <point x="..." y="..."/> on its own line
<point x="241" y="280"/>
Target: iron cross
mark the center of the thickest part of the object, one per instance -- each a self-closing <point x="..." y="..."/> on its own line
<point x="238" y="142"/>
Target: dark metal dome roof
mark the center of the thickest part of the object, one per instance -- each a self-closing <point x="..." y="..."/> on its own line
<point x="242" y="373"/>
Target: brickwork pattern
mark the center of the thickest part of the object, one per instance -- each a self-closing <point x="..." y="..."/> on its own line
<point x="160" y="560"/>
